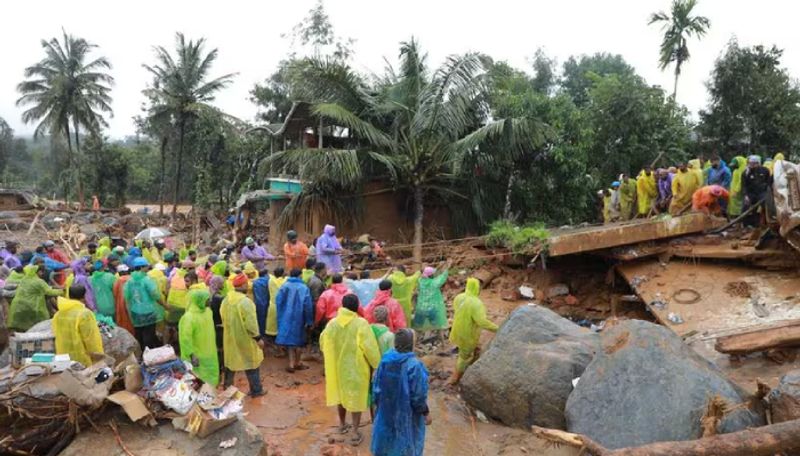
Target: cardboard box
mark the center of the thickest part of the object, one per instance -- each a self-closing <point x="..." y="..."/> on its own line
<point x="201" y="424"/>
<point x="132" y="404"/>
<point x="81" y="386"/>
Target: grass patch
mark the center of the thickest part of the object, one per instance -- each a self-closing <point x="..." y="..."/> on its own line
<point x="521" y="240"/>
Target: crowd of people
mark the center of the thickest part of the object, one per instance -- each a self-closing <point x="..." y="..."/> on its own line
<point x="222" y="311"/>
<point x="710" y="186"/>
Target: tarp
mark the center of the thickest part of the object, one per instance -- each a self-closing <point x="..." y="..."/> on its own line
<point x="786" y="192"/>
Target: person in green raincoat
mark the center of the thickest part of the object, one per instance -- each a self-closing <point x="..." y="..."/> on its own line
<point x="431" y="313"/>
<point x="143" y="298"/>
<point x="403" y="287"/>
<point x="103" y="288"/>
<point x="29" y="306"/>
<point x="627" y="195"/>
<point x="468" y="320"/>
<point x="195" y="326"/>
<point x="275" y="281"/>
<point x="308" y="271"/>
<point x="383" y="334"/>
<point x="738" y="165"/>
<point x="220" y="269"/>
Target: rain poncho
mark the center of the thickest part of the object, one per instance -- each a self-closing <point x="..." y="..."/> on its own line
<point x="103" y="287"/>
<point x="28" y="306"/>
<point x="646" y="192"/>
<point x="397" y="318"/>
<point x="306" y="275"/>
<point x="328" y="249"/>
<point x="627" y="193"/>
<point x="684" y="184"/>
<point x="403" y="287"/>
<point x="133" y="254"/>
<point x="384" y="337"/>
<point x="79" y="277"/>
<point x="365" y="289"/>
<point x="218" y="269"/>
<point x="75" y="328"/>
<point x="121" y="316"/>
<point x="9" y="259"/>
<point x="607" y="208"/>
<point x="177" y="296"/>
<point x="240" y="328"/>
<point x="161" y="282"/>
<point x="261" y="299"/>
<point x="469" y="318"/>
<point x="141" y="296"/>
<point x="737" y="195"/>
<point x="431" y="312"/>
<point x="350" y="350"/>
<point x="103" y="249"/>
<point x="400" y="391"/>
<point x="705" y="199"/>
<point x="330" y="301"/>
<point x="272" y="313"/>
<point x="60" y="260"/>
<point x="720" y="176"/>
<point x="257" y="254"/>
<point x="195" y="331"/>
<point x="697" y="169"/>
<point x="295" y="313"/>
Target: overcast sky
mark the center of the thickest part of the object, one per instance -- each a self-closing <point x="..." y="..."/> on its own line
<point x="248" y="35"/>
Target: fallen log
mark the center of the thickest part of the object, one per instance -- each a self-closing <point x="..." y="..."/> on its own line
<point x="781" y="438"/>
<point x="779" y="335"/>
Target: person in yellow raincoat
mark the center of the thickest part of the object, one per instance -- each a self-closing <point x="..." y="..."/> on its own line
<point x="646" y="191"/>
<point x="75" y="328"/>
<point x="770" y="163"/>
<point x="29" y="306"/>
<point x="103" y="249"/>
<point x="605" y="196"/>
<point x="738" y="166"/>
<point x="627" y="195"/>
<point x="350" y="351"/>
<point x="697" y="169"/>
<point x="195" y="326"/>
<point x="684" y="183"/>
<point x="242" y="345"/>
<point x="468" y="320"/>
<point x="403" y="287"/>
<point x="275" y="281"/>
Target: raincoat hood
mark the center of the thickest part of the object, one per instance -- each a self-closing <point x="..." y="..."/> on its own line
<point x="249" y="269"/>
<point x="329" y="230"/>
<point x="219" y="268"/>
<point x="779" y="156"/>
<point x="694" y="164"/>
<point x="345" y="316"/>
<point x="30" y="270"/>
<point x="105" y="242"/>
<point x="381" y="296"/>
<point x="399" y="277"/>
<point x="198" y="298"/>
<point x="394" y="356"/>
<point x="473" y="287"/>
<point x="78" y="266"/>
<point x="65" y="304"/>
<point x="135" y="252"/>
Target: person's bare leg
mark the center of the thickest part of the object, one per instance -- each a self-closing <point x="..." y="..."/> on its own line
<point x="357" y="436"/>
<point x="342" y="419"/>
<point x="292" y="362"/>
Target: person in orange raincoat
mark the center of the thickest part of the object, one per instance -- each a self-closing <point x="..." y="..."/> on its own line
<point x="295" y="251"/>
<point x="710" y="199"/>
<point x="121" y="316"/>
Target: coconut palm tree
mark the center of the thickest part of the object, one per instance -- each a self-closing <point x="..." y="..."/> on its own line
<point x="416" y="124"/>
<point x="678" y="27"/>
<point x="180" y="91"/>
<point x="67" y="91"/>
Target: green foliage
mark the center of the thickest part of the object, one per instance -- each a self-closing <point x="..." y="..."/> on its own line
<point x="522" y="240"/>
<point x="579" y="73"/>
<point x="755" y="103"/>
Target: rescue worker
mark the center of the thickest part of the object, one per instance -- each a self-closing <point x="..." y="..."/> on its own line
<point x="243" y="347"/>
<point x="197" y="345"/>
<point x="75" y="328"/>
<point x="468" y="319"/>
<point x="646" y="191"/>
<point x="403" y="287"/>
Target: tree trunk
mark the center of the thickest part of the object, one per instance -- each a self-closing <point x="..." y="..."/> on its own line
<point x="78" y="177"/>
<point x="419" y="212"/>
<point x="179" y="167"/>
<point x="70" y="170"/>
<point x="162" y="183"/>
<point x="675" y="84"/>
<point x="512" y="178"/>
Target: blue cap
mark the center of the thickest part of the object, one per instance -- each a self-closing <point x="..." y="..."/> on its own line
<point x="140" y="262"/>
<point x="98" y="265"/>
<point x="615" y="184"/>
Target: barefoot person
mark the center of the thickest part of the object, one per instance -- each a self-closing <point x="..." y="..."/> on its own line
<point x="468" y="320"/>
<point x="350" y="351"/>
<point x="295" y="317"/>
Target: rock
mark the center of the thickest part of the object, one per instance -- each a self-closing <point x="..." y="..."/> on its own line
<point x="784" y="400"/>
<point x="119" y="345"/>
<point x="645" y="385"/>
<point x="559" y="289"/>
<point x="525" y="375"/>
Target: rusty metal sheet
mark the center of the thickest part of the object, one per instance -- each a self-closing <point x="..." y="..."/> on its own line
<point x="569" y="241"/>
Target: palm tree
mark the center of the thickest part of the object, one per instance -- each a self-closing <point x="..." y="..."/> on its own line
<point x="417" y="125"/>
<point x="678" y="28"/>
<point x="67" y="92"/>
<point x="181" y="91"/>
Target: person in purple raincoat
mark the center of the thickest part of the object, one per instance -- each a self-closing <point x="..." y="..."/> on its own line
<point x="256" y="254"/>
<point x="329" y="250"/>
<point x="81" y="277"/>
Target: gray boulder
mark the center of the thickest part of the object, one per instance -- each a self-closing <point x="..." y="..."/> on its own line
<point x="784" y="400"/>
<point x="645" y="385"/>
<point x="119" y="344"/>
<point x="525" y="375"/>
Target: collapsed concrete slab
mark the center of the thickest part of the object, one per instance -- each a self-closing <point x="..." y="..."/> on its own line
<point x="645" y="385"/>
<point x="525" y="375"/>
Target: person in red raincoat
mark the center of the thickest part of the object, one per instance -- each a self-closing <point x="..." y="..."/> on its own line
<point x="397" y="319"/>
<point x="50" y="248"/>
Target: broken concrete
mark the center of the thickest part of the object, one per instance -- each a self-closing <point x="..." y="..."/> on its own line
<point x="784" y="401"/>
<point x="525" y="376"/>
<point x="645" y="385"/>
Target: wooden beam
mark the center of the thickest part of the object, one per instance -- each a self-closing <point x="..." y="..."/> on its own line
<point x="778" y="335"/>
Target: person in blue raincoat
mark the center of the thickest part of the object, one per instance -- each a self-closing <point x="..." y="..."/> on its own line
<point x="261" y="299"/>
<point x="295" y="316"/>
<point x="719" y="174"/>
<point x="133" y="254"/>
<point x="400" y="392"/>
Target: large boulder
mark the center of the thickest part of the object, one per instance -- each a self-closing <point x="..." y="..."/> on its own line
<point x="645" y="385"/>
<point x="525" y="375"/>
<point x="118" y="344"/>
<point x="784" y="400"/>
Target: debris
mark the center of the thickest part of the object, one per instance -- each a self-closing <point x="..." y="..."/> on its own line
<point x="559" y="289"/>
<point x="571" y="300"/>
<point x="230" y="443"/>
<point x="659" y="304"/>
<point x="778" y="335"/>
<point x="674" y="318"/>
<point x="784" y="400"/>
<point x="132" y="404"/>
<point x="481" y="416"/>
<point x="526" y="292"/>
<point x="638" y="280"/>
<point x="738" y="289"/>
<point x="759" y="308"/>
<point x="686" y="296"/>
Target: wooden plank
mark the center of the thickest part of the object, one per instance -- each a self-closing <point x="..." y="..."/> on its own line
<point x="779" y="335"/>
<point x="569" y="241"/>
